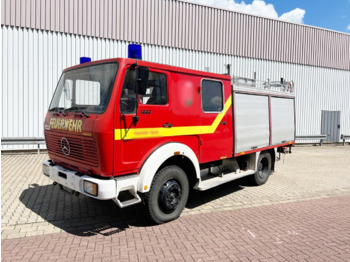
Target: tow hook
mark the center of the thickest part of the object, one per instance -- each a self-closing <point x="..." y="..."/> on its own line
<point x="54" y="183"/>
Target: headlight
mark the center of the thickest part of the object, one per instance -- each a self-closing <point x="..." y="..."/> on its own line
<point x="46" y="170"/>
<point x="90" y="188"/>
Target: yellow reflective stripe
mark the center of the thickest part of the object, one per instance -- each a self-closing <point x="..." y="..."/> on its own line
<point x="137" y="133"/>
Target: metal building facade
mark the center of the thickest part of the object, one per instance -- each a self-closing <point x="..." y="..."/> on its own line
<point x="41" y="38"/>
<point x="184" y="25"/>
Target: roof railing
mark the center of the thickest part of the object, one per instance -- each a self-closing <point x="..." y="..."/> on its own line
<point x="277" y="86"/>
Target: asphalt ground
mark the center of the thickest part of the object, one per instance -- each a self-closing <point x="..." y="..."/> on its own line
<point x="302" y="213"/>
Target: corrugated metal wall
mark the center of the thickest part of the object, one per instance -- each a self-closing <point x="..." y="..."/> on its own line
<point x="32" y="61"/>
<point x="184" y="25"/>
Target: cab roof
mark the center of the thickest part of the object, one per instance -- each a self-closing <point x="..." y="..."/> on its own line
<point x="129" y="61"/>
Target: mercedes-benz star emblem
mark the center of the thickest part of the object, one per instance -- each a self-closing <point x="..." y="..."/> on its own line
<point x="65" y="146"/>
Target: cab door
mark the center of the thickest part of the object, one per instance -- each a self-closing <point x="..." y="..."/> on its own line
<point x="216" y="121"/>
<point x="145" y="121"/>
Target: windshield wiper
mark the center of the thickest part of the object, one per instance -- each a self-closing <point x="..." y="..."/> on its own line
<point x="57" y="110"/>
<point x="77" y="107"/>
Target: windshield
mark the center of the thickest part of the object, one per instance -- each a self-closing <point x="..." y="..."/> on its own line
<point x="88" y="88"/>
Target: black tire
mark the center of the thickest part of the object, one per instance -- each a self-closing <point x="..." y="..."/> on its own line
<point x="263" y="170"/>
<point x="168" y="195"/>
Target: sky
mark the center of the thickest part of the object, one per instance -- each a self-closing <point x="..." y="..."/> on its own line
<point x="330" y="14"/>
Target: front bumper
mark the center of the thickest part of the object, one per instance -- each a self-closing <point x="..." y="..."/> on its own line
<point x="106" y="189"/>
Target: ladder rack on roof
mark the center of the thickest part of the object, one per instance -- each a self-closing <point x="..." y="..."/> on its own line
<point x="283" y="86"/>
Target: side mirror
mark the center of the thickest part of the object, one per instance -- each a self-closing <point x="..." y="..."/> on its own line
<point x="142" y="79"/>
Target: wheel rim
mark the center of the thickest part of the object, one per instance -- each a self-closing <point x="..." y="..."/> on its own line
<point x="263" y="168"/>
<point x="169" y="196"/>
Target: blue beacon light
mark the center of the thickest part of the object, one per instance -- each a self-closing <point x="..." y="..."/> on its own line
<point x="84" y="59"/>
<point x="135" y="51"/>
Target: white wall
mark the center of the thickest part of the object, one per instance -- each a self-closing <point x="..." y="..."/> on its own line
<point x="32" y="61"/>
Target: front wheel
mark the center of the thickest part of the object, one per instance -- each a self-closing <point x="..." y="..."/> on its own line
<point x="168" y="195"/>
<point x="263" y="170"/>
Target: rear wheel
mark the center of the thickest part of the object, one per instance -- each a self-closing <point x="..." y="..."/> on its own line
<point x="168" y="195"/>
<point x="263" y="170"/>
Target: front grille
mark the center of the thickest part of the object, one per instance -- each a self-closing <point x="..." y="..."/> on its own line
<point x="82" y="149"/>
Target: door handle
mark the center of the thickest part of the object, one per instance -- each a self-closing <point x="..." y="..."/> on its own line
<point x="223" y="123"/>
<point x="167" y="125"/>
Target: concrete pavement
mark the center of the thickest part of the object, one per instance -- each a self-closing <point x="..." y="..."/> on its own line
<point x="36" y="212"/>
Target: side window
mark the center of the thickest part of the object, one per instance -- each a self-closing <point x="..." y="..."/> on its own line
<point x="156" y="93"/>
<point x="128" y="97"/>
<point x="212" y="96"/>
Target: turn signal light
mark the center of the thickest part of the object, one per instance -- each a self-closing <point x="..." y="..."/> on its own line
<point x="90" y="188"/>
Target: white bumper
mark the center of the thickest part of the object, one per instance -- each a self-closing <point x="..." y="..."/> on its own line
<point x="107" y="188"/>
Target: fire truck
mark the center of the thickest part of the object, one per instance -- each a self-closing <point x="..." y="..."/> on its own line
<point x="133" y="131"/>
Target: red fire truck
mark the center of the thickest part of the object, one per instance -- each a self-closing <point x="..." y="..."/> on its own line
<point x="133" y="131"/>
